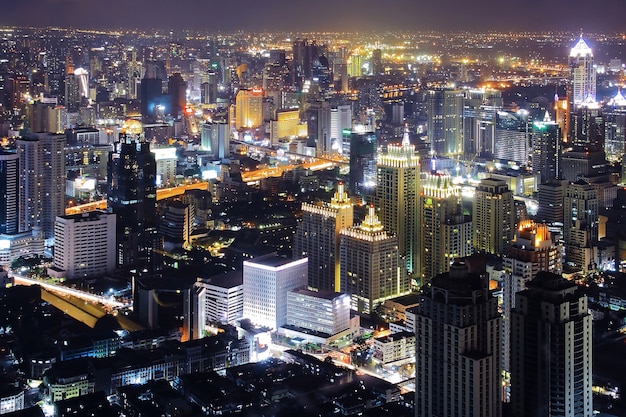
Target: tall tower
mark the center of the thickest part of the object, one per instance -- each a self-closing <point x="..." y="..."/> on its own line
<point x="457" y="360"/>
<point x="131" y="176"/>
<point x="446" y="234"/>
<point x="371" y="268"/>
<point x="493" y="216"/>
<point x="546" y="153"/>
<point x="397" y="193"/>
<point x="551" y="350"/>
<point x="583" y="73"/>
<point x="318" y="239"/>
<point x="445" y="121"/>
<point x="42" y="181"/>
<point x="580" y="224"/>
<point x="9" y="189"/>
<point x="248" y="109"/>
<point x="532" y="250"/>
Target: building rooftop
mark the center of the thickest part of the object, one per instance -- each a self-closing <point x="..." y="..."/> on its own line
<point x="273" y="260"/>
<point x="226" y="280"/>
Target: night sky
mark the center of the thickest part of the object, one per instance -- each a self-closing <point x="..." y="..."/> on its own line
<point x="315" y="15"/>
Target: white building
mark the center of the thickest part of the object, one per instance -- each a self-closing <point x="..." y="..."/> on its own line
<point x="324" y="311"/>
<point x="395" y="347"/>
<point x="13" y="246"/>
<point x="12" y="400"/>
<point x="266" y="282"/>
<point x="166" y="160"/>
<point x="219" y="299"/>
<point x="84" y="245"/>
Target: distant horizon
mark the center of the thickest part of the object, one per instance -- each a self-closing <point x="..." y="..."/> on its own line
<point x="536" y="16"/>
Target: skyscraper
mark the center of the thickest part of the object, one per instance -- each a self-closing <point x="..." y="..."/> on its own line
<point x="42" y="181"/>
<point x="177" y="90"/>
<point x="9" y="189"/>
<point x="445" y="121"/>
<point x="446" y="234"/>
<point x="131" y="176"/>
<point x="493" y="216"/>
<point x="532" y="250"/>
<point x="580" y="224"/>
<point x="371" y="268"/>
<point x="583" y="73"/>
<point x="457" y="360"/>
<point x="363" y="153"/>
<point x="551" y="350"/>
<point x="397" y="196"/>
<point x="546" y="151"/>
<point x="318" y="239"/>
<point x="249" y="109"/>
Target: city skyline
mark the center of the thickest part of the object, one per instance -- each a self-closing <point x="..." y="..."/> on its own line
<point x="324" y="15"/>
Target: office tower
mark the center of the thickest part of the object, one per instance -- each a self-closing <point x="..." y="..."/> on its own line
<point x="84" y="245"/>
<point x="551" y="348"/>
<point x="586" y="127"/>
<point x="546" y="150"/>
<point x="322" y="312"/>
<point x="397" y="113"/>
<point x="318" y="126"/>
<point x="446" y="234"/>
<point x="531" y="250"/>
<point x="580" y="224"/>
<point x="493" y="216"/>
<point x="215" y="138"/>
<point x="218" y="299"/>
<point x="582" y="163"/>
<point x="209" y="89"/>
<point x="177" y="90"/>
<point x="266" y="282"/>
<point x="371" y="267"/>
<point x="445" y="121"/>
<point x="458" y="342"/>
<point x="175" y="225"/>
<point x="10" y="190"/>
<point x="248" y="109"/>
<point x="166" y="162"/>
<point x="131" y="178"/>
<point x="614" y="116"/>
<point x="42" y="181"/>
<point x="340" y="121"/>
<point x="377" y="62"/>
<point x="480" y="110"/>
<point x="583" y="74"/>
<point x="550" y="198"/>
<point x="151" y="91"/>
<point x="363" y="153"/>
<point x="317" y="238"/>
<point x="511" y="137"/>
<point x="616" y="226"/>
<point x="397" y="194"/>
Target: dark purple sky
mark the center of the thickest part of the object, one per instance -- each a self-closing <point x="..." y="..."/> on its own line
<point x="307" y="15"/>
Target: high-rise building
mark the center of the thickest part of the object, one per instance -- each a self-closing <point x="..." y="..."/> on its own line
<point x="10" y="190"/>
<point x="550" y="198"/>
<point x="546" y="151"/>
<point x="583" y="73"/>
<point x="177" y="90"/>
<point x="84" y="245"/>
<point x="551" y="346"/>
<point x="615" y="127"/>
<point x="340" y="121"/>
<point x="131" y="177"/>
<point x="215" y="138"/>
<point x="218" y="299"/>
<point x="248" y="109"/>
<point x="371" y="267"/>
<point x="42" y="181"/>
<point x="511" y="137"/>
<point x="397" y="196"/>
<point x="532" y="250"/>
<point x="493" y="215"/>
<point x="363" y="154"/>
<point x="377" y="62"/>
<point x="151" y="90"/>
<point x="266" y="282"/>
<point x="317" y="238"/>
<point x="480" y="110"/>
<point x="446" y="234"/>
<point x="580" y="224"/>
<point x="445" y="121"/>
<point x="458" y="346"/>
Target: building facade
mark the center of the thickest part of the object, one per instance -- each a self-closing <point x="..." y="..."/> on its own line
<point x="493" y="216"/>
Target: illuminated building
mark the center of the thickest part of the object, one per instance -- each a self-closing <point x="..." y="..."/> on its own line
<point x="587" y="126"/>
<point x="546" y="152"/>
<point x="42" y="181"/>
<point x="397" y="196"/>
<point x="177" y="90"/>
<point x="394" y="347"/>
<point x="511" y="137"/>
<point x="84" y="245"/>
<point x="458" y="347"/>
<point x="175" y="225"/>
<point x="446" y="234"/>
<point x="493" y="216"/>
<point x="287" y="125"/>
<point x="614" y="116"/>
<point x="9" y="189"/>
<point x="248" y="109"/>
<point x="340" y="121"/>
<point x="445" y="121"/>
<point x="479" y="121"/>
<point x="583" y="73"/>
<point x="318" y="311"/>
<point x="377" y="62"/>
<point x="371" y="267"/>
<point x="582" y="162"/>
<point x="551" y="349"/>
<point x="266" y="282"/>
<point x="131" y="177"/>
<point x="215" y="138"/>
<point x="580" y="224"/>
<point x="550" y="198"/>
<point x="151" y="91"/>
<point x="166" y="161"/>
<point x="219" y="299"/>
<point x="12" y="400"/>
<point x="318" y="237"/>
<point x="28" y="243"/>
<point x="208" y="92"/>
<point x="531" y="250"/>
